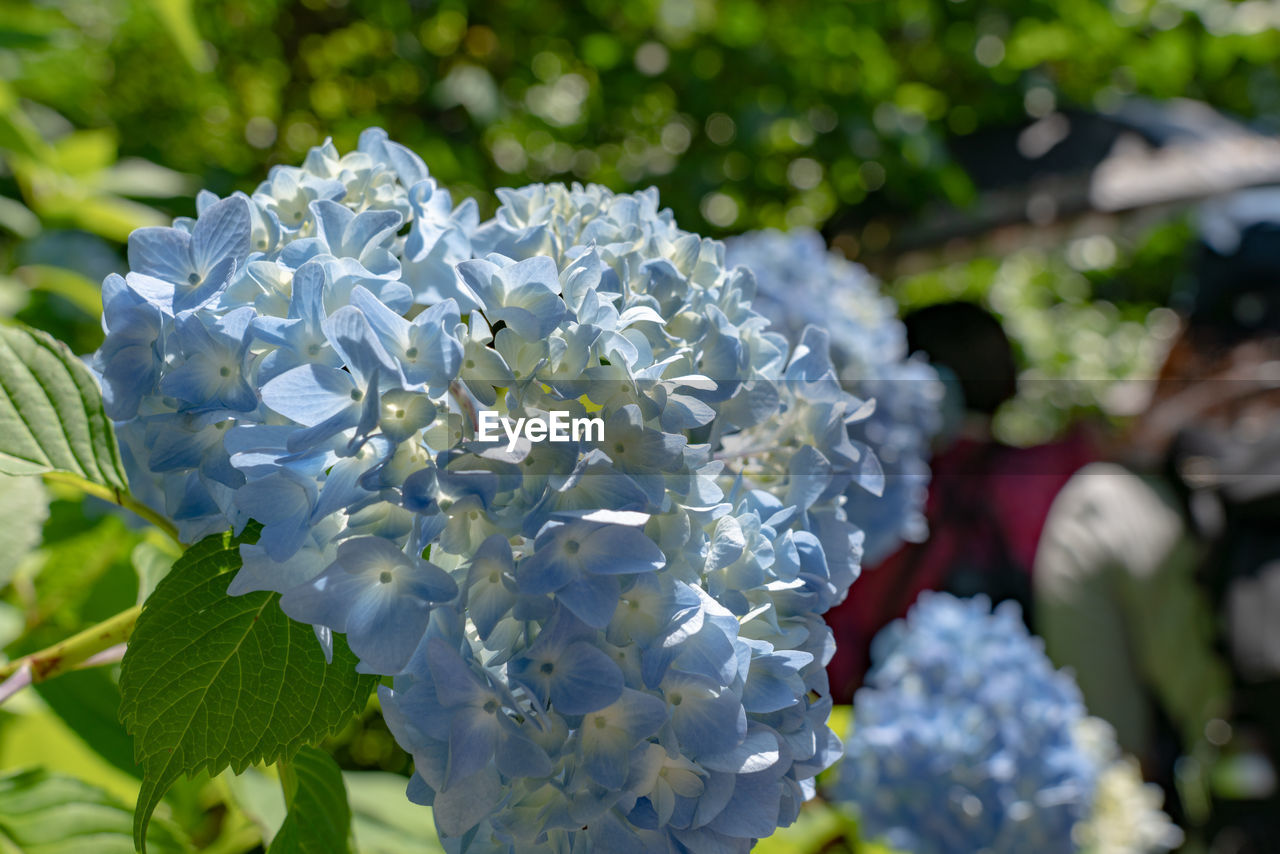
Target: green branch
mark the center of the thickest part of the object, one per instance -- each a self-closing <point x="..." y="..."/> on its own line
<point x="115" y="496"/>
<point x="70" y="653"/>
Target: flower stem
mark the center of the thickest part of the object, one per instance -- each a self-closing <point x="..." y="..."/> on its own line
<point x="76" y="650"/>
<point x="115" y="496"/>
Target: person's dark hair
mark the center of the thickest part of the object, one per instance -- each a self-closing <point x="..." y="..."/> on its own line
<point x="971" y="344"/>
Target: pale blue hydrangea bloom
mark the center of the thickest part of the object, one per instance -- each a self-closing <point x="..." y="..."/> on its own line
<point x="966" y="739"/>
<point x="802" y="283"/>
<point x="610" y="645"/>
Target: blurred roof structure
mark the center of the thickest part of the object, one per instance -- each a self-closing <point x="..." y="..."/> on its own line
<point x="1074" y="164"/>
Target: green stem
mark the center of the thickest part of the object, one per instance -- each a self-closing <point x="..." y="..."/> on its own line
<point x="66" y="655"/>
<point x="115" y="496"/>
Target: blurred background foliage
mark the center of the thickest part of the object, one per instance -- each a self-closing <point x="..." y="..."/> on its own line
<point x="839" y="115"/>
<point x="743" y="114"/>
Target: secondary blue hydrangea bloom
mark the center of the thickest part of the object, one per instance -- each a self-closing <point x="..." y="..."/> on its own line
<point x="613" y="643"/>
<point x="802" y="283"/>
<point x="966" y="739"/>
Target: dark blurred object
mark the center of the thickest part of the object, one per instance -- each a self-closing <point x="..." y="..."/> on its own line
<point x="1139" y="153"/>
<point x="1073" y="163"/>
<point x="1227" y="464"/>
<point x="1164" y="591"/>
<point x="1238" y="268"/>
<point x="987" y="500"/>
<point x="972" y="345"/>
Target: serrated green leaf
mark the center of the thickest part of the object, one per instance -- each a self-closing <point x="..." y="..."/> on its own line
<point x="212" y="681"/>
<point x="319" y="819"/>
<point x="24" y="505"/>
<point x="43" y="813"/>
<point x="51" y="415"/>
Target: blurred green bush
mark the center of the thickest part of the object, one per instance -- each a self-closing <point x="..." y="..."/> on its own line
<point x="743" y="114"/>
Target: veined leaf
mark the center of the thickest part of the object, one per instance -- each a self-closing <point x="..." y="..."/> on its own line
<point x="43" y="813"/>
<point x="319" y="819"/>
<point x="383" y="820"/>
<point x="24" y="505"/>
<point x="51" y="415"/>
<point x="212" y="681"/>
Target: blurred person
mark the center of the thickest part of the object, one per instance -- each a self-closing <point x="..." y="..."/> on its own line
<point x="1159" y="581"/>
<point x="987" y="500"/>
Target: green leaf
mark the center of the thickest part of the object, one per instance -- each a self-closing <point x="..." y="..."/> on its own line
<point x="34" y="736"/>
<point x="153" y="561"/>
<point x="106" y="215"/>
<point x="179" y="19"/>
<point x="43" y="813"/>
<point x="818" y="826"/>
<point x="88" y="702"/>
<point x="18" y="218"/>
<point x="319" y="819"/>
<point x="85" y="152"/>
<point x="257" y="794"/>
<point x="17" y="133"/>
<point x="75" y="288"/>
<point x="384" y="820"/>
<point x="24" y="506"/>
<point x="51" y="415"/>
<point x="841" y="720"/>
<point x="135" y="177"/>
<point x="80" y="575"/>
<point x="212" y="681"/>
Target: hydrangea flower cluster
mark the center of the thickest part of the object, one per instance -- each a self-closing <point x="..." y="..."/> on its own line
<point x="1126" y="817"/>
<point x="967" y="739"/>
<point x="611" y="645"/>
<point x="801" y="283"/>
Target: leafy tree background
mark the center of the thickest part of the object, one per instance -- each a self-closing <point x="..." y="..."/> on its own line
<point x="743" y="114"/>
<point x="834" y="115"/>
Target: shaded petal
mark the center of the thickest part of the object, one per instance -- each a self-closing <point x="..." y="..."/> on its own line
<point x="584" y="679"/>
<point x="616" y="550"/>
<point x="384" y="627"/>
<point x="310" y="394"/>
<point x="592" y="599"/>
<point x="222" y="232"/>
<point x="162" y="253"/>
